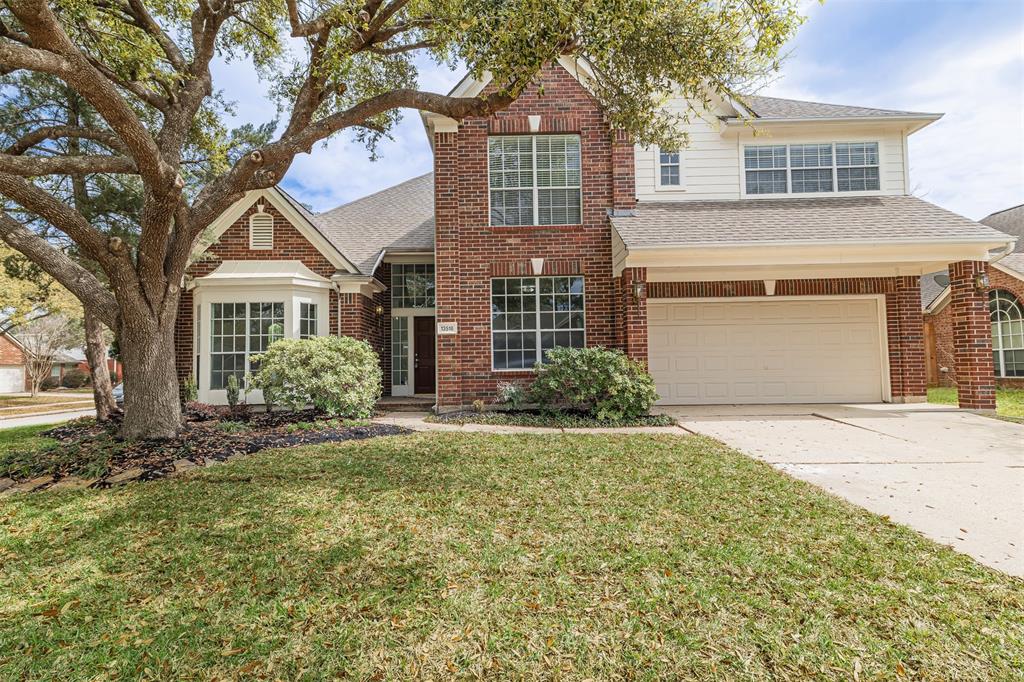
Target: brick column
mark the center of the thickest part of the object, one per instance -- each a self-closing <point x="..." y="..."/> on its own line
<point x="623" y="171"/>
<point x="447" y="279"/>
<point x="972" y="337"/>
<point x="633" y="314"/>
<point x="909" y="342"/>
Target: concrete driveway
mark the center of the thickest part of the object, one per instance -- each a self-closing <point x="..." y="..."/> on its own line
<point x="955" y="476"/>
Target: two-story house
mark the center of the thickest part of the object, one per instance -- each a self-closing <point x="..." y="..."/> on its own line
<point x="776" y="258"/>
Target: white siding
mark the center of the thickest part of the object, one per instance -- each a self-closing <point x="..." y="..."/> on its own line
<point x="712" y="166"/>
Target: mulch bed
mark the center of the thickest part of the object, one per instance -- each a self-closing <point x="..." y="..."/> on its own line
<point x="565" y="419"/>
<point x="203" y="440"/>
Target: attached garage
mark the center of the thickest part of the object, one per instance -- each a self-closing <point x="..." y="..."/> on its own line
<point x="767" y="350"/>
<point x="12" y="379"/>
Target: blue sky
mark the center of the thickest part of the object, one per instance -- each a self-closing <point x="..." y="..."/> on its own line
<point x="961" y="57"/>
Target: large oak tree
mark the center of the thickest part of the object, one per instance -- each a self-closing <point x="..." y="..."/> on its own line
<point x="143" y="67"/>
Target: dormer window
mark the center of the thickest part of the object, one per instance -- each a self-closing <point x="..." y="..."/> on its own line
<point x="261" y="231"/>
<point x="811" y="168"/>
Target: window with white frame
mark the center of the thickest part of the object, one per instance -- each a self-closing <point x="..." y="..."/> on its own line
<point x="261" y="231"/>
<point x="412" y="285"/>
<point x="238" y="331"/>
<point x="307" y="320"/>
<point x="534" y="179"/>
<point x="400" y="351"/>
<point x="669" y="169"/>
<point x="811" y="168"/>
<point x="532" y="315"/>
<point x="1007" y="333"/>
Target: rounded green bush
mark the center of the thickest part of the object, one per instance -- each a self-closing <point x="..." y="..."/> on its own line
<point x="601" y="382"/>
<point x="336" y="374"/>
<point x="75" y="378"/>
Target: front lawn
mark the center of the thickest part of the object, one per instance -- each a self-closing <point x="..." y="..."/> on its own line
<point x="44" y="399"/>
<point x="1009" y="401"/>
<point x="466" y="555"/>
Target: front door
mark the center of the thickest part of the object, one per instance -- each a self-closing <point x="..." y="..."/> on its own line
<point x="424" y="363"/>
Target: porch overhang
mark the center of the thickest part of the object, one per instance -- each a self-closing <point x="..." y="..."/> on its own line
<point x="713" y="262"/>
<point x="358" y="284"/>
<point x="260" y="273"/>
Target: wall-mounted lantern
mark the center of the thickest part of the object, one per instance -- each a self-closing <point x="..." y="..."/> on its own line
<point x="981" y="281"/>
<point x="638" y="290"/>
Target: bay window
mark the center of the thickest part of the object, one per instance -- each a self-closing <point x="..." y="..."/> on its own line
<point x="811" y="168"/>
<point x="534" y="179"/>
<point x="532" y="315"/>
<point x="238" y="331"/>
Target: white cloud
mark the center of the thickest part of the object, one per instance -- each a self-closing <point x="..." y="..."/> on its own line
<point x="972" y="160"/>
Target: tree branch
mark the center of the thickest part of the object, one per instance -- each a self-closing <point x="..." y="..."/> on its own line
<point x="36" y="166"/>
<point x="76" y="279"/>
<point x="60" y="215"/>
<point x="56" y="132"/>
<point x="67" y="62"/>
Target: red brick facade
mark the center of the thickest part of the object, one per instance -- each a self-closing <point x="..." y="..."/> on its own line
<point x="358" y="313"/>
<point x="11" y="354"/>
<point x="972" y="336"/>
<point x="942" y="331"/>
<point x="469" y="252"/>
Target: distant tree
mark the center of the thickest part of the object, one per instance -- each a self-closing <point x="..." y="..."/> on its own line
<point x="144" y="67"/>
<point x="44" y="339"/>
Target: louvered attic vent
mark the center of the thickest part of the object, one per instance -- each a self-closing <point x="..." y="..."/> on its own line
<point x="261" y="231"/>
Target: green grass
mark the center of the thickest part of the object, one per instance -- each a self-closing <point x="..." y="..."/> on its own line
<point x="465" y="555"/>
<point x="1009" y="401"/>
<point x="24" y="438"/>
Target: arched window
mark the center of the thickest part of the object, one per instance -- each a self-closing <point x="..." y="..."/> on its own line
<point x="1007" y="333"/>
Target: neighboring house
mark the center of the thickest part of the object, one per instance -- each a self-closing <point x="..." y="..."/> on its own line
<point x="777" y="268"/>
<point x="14" y="375"/>
<point x="1005" y="305"/>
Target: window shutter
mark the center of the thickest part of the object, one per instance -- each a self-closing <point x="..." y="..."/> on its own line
<point x="261" y="231"/>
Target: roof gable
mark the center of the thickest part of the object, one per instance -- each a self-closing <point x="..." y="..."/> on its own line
<point x="300" y="218"/>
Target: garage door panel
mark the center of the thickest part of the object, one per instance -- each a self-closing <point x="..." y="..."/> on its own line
<point x="12" y="379"/>
<point x="771" y="351"/>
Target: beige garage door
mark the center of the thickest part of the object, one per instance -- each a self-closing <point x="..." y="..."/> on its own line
<point x="12" y="379"/>
<point x="766" y="351"/>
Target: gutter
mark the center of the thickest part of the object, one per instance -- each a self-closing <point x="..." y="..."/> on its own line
<point x="1008" y="247"/>
<point x="928" y="118"/>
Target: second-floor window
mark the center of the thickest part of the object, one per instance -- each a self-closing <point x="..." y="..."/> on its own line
<point x="534" y="179"/>
<point x="669" y="169"/>
<point x="811" y="168"/>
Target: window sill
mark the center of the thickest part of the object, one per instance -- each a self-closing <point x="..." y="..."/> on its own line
<point x="536" y="227"/>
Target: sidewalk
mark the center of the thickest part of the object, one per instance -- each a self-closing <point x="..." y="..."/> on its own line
<point x="45" y="418"/>
<point x="415" y="421"/>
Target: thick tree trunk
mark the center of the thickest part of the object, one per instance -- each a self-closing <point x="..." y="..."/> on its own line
<point x="152" y="407"/>
<point x="96" y="355"/>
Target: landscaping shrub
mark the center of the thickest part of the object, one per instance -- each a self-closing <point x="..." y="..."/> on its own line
<point x="200" y="412"/>
<point x="231" y="392"/>
<point x="189" y="390"/>
<point x="510" y="394"/>
<point x="49" y="383"/>
<point x="600" y="382"/>
<point x="75" y="378"/>
<point x="336" y="374"/>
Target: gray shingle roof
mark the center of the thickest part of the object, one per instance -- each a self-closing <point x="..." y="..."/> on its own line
<point x="930" y="288"/>
<point x="1015" y="262"/>
<point x="399" y="218"/>
<point x="1010" y="221"/>
<point x="765" y="221"/>
<point x="776" y="107"/>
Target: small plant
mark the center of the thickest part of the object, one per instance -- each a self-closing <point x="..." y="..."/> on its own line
<point x="233" y="427"/>
<point x="49" y="383"/>
<point x="600" y="382"/>
<point x="189" y="390"/>
<point x="510" y="394"/>
<point x="232" y="391"/>
<point x="296" y="427"/>
<point x="479" y="405"/>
